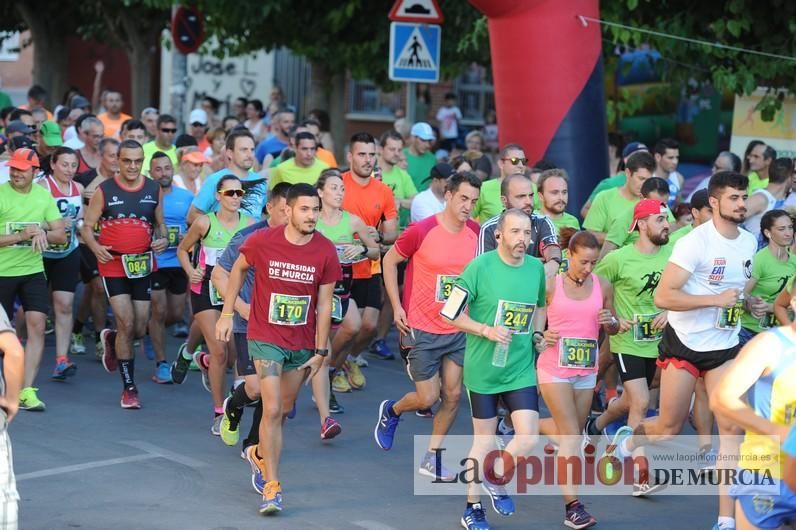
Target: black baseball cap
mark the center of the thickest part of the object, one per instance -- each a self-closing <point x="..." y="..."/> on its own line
<point x="443" y="170"/>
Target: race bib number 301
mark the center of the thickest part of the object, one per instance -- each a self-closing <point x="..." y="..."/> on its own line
<point x="444" y="286"/>
<point x="729" y="317"/>
<point x="137" y="265"/>
<point x="517" y="316"/>
<point x="288" y="310"/>
<point x="577" y="353"/>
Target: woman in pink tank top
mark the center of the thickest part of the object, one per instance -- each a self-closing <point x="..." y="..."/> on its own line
<point x="578" y="303"/>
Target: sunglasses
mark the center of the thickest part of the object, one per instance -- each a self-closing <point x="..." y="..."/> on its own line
<point x="169" y="131"/>
<point x="232" y="193"/>
<point x="517" y="160"/>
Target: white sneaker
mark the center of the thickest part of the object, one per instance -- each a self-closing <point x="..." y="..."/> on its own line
<point x="359" y="360"/>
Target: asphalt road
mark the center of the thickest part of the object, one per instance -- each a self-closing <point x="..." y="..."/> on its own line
<point x="86" y="463"/>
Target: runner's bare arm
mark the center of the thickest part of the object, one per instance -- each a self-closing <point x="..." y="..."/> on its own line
<point x="389" y="231"/>
<point x="550" y="254"/>
<point x="493" y="333"/>
<point x="194" y="213"/>
<point x="359" y="227"/>
<point x="224" y="324"/>
<point x="727" y="399"/>
<point x="13" y="372"/>
<point x="56" y="231"/>
<point x="609" y="321"/>
<point x="324" y="310"/>
<point x="389" y="269"/>
<point x="160" y="237"/>
<point x="670" y="295"/>
<point x="782" y="307"/>
<point x="194" y="234"/>
<point x="90" y="219"/>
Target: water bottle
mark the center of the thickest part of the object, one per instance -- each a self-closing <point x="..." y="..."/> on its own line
<point x="500" y="354"/>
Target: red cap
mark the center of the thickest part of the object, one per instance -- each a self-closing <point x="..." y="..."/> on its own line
<point x="197" y="157"/>
<point x="644" y="208"/>
<point x="24" y="159"/>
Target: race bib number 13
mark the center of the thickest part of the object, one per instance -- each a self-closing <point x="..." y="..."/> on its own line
<point x="729" y="317"/>
<point x="288" y="310"/>
<point x="517" y="316"/>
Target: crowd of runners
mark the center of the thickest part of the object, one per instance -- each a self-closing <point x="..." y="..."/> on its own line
<point x="282" y="268"/>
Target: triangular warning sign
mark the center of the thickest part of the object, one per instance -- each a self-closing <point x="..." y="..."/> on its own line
<point x="423" y="11"/>
<point x="415" y="53"/>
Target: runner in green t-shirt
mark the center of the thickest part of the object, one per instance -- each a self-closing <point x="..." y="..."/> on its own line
<point x="634" y="272"/>
<point x="398" y="180"/>
<point x="700" y="211"/>
<point x="554" y="193"/>
<point x="614" y="181"/>
<point x="419" y="157"/>
<point x="772" y="266"/>
<point x="612" y="204"/>
<point x="29" y="222"/>
<point x="512" y="160"/>
<point x="304" y="167"/>
<point x="504" y="291"/>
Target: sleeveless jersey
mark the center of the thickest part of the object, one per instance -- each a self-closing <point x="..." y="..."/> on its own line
<point x="127" y="221"/>
<point x="340" y="234"/>
<point x="70" y="205"/>
<point x="213" y="245"/>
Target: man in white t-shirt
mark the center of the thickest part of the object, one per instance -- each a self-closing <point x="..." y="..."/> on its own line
<point x="448" y="117"/>
<point x="432" y="200"/>
<point x="701" y="288"/>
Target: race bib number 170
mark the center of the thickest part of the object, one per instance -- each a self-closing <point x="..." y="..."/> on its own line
<point x="288" y="310"/>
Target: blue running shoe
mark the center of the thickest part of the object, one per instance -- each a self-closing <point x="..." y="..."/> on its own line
<point x="385" y="427"/>
<point x="501" y="501"/>
<point x="474" y="518"/>
<point x="64" y="369"/>
<point x="162" y="374"/>
<point x="148" y="349"/>
<point x="258" y="466"/>
<point x="429" y="468"/>
<point x="272" y="498"/>
<point x="380" y="350"/>
<point x="292" y="413"/>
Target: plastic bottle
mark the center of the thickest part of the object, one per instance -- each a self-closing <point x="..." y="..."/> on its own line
<point x="500" y="354"/>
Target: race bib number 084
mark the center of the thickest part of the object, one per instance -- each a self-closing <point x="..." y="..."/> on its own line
<point x="517" y="316"/>
<point x="137" y="265"/>
<point x="288" y="310"/>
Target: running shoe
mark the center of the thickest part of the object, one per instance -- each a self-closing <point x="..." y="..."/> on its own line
<point x="330" y="428"/>
<point x="29" y="400"/>
<point x="49" y="326"/>
<point x="215" y="429"/>
<point x="706" y="456"/>
<point x="424" y="413"/>
<point x="380" y="350"/>
<point x="272" y="498"/>
<point x="429" y="468"/>
<point x="474" y="518"/>
<point x="202" y="360"/>
<point x="588" y="443"/>
<point x="359" y="360"/>
<point x="78" y="345"/>
<point x="109" y="360"/>
<point x="613" y="451"/>
<point x="130" y="398"/>
<point x="578" y="518"/>
<point x="258" y="468"/>
<point x="229" y="426"/>
<point x="385" y="427"/>
<point x="334" y="406"/>
<point x="180" y="330"/>
<point x="179" y="366"/>
<point x="642" y="489"/>
<point x="354" y="375"/>
<point x="340" y="382"/>
<point x="162" y="374"/>
<point x="64" y="369"/>
<point x="503" y="428"/>
<point x="501" y="501"/>
<point x="99" y="350"/>
<point x="149" y="350"/>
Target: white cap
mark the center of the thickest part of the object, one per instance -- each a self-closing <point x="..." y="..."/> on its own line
<point x="198" y="116"/>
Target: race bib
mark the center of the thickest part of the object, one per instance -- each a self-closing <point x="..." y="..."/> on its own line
<point x="173" y="235"/>
<point x="577" y="353"/>
<point x="643" y="330"/>
<point x="17" y="227"/>
<point x="62" y="247"/>
<point x="137" y="265"/>
<point x="444" y="285"/>
<point x="288" y="310"/>
<point x="768" y="321"/>
<point x="215" y="296"/>
<point x="517" y="316"/>
<point x="337" y="309"/>
<point x="729" y="317"/>
<point x="344" y="260"/>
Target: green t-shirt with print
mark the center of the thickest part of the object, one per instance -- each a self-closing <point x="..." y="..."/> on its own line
<point x="290" y="172"/>
<point x="755" y="182"/>
<point x="488" y="204"/>
<point x="499" y="294"/>
<point x="607" y="207"/>
<point x="616" y="181"/>
<point x="17" y="210"/>
<point x="618" y="234"/>
<point x="402" y="186"/>
<point x="634" y="277"/>
<point x="419" y="168"/>
<point x="771" y="277"/>
<point x="566" y="220"/>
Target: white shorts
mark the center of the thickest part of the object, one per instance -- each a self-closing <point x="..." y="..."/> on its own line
<point x="578" y="382"/>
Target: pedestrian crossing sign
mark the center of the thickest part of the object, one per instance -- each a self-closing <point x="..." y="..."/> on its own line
<point x="414" y="52"/>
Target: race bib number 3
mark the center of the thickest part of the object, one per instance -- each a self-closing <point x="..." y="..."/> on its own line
<point x="137" y="265"/>
<point x="729" y="317"/>
<point x="517" y="316"/>
<point x="577" y="353"/>
<point x="288" y="310"/>
<point x="643" y="330"/>
<point x="173" y="235"/>
<point x="214" y="295"/>
<point x="444" y="286"/>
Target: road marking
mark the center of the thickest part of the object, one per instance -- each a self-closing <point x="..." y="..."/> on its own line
<point x="150" y="452"/>
<point x="372" y="525"/>
<point x="82" y="467"/>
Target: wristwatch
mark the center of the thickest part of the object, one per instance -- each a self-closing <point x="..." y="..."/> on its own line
<point x="323" y="352"/>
